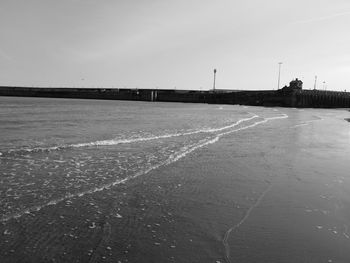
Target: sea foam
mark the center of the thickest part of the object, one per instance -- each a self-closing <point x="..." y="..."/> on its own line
<point x="184" y="151"/>
<point x="113" y="142"/>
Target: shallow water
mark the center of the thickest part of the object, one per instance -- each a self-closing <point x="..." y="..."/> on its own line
<point x="53" y="150"/>
<point x="68" y="164"/>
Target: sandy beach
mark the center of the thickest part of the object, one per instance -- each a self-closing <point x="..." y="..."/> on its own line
<point x="277" y="192"/>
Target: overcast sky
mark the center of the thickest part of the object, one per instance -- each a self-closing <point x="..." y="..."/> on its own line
<point x="178" y="43"/>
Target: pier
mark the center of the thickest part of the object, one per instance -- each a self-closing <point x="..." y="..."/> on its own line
<point x="289" y="96"/>
<point x="322" y="99"/>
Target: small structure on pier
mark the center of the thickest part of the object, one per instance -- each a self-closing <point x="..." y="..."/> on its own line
<point x="296" y="84"/>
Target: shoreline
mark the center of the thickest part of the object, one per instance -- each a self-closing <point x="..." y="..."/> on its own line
<point x="275" y="192"/>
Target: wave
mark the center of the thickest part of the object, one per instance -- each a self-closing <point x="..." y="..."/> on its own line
<point x="172" y="158"/>
<point x="184" y="151"/>
<point x="112" y="142"/>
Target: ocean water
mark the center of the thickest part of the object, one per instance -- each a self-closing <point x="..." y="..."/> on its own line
<point x="92" y="181"/>
<point x="53" y="150"/>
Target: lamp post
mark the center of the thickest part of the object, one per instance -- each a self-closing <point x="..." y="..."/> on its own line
<point x="315" y="82"/>
<point x="279" y="74"/>
<point x="214" y="79"/>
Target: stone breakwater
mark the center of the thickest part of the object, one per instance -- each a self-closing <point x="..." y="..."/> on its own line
<point x="296" y="98"/>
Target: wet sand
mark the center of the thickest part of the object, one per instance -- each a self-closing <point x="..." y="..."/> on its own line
<point x="277" y="193"/>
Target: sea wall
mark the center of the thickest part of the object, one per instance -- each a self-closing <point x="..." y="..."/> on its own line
<point x="107" y="94"/>
<point x="322" y="99"/>
<point x="294" y="98"/>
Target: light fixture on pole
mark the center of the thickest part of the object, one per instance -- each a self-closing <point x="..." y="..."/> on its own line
<point x="315" y="82"/>
<point x="279" y="74"/>
<point x="214" y="79"/>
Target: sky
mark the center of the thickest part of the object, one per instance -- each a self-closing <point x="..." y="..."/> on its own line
<point x="175" y="44"/>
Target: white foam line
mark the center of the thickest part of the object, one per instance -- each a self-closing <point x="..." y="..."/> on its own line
<point x="172" y="158"/>
<point x="346" y="232"/>
<point x="284" y="116"/>
<point x="247" y="214"/>
<point x="307" y="122"/>
<point x="113" y="142"/>
<point x="299" y="125"/>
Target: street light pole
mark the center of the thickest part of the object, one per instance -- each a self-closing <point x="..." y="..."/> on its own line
<point x="214" y="79"/>
<point x="315" y="82"/>
<point x="279" y="74"/>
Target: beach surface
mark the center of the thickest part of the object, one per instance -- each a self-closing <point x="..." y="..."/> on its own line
<point x="257" y="185"/>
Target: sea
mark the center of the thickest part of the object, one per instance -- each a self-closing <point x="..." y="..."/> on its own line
<point x="127" y="181"/>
